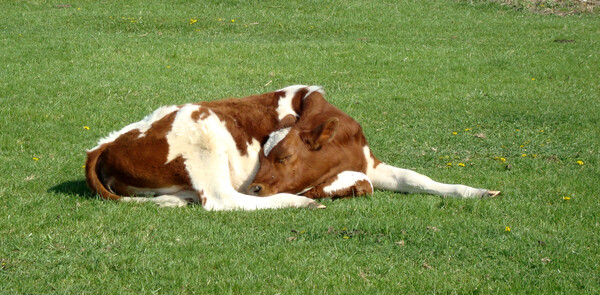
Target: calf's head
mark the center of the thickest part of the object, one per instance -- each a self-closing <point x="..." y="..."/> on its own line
<point x="292" y="159"/>
<point x="296" y="159"/>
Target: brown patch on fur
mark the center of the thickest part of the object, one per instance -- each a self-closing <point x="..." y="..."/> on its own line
<point x="200" y="114"/>
<point x="136" y="161"/>
<point x="252" y="117"/>
<point x="202" y="198"/>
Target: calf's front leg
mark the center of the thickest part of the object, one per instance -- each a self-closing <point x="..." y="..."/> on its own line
<point x="344" y="185"/>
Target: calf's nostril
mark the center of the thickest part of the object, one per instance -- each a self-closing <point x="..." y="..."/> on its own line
<point x="255" y="189"/>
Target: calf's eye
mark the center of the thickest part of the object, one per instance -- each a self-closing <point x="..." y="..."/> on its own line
<point x="283" y="159"/>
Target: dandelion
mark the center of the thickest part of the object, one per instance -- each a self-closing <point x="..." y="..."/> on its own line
<point x="532" y="79"/>
<point x="534" y="156"/>
<point x="517" y="130"/>
<point x="449" y="164"/>
<point x="233" y="20"/>
<point x="461" y="164"/>
<point x="507" y="228"/>
<point x="524" y="155"/>
<point x="168" y="67"/>
<point x="346" y="237"/>
<point x="503" y="159"/>
<point x="193" y="21"/>
<point x="522" y="146"/>
<point x="86" y="127"/>
<point x="467" y="129"/>
<point x="35" y="159"/>
<point x="82" y="166"/>
<point x="454" y="133"/>
<point x="565" y="198"/>
<point x="580" y="162"/>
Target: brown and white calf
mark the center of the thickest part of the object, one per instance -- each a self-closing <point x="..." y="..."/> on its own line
<point x="325" y="155"/>
<point x="209" y="153"/>
<point x="204" y="153"/>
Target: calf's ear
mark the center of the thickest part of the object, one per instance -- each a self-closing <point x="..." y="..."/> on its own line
<point x="322" y="134"/>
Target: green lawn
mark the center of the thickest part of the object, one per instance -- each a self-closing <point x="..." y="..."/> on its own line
<point x="481" y="94"/>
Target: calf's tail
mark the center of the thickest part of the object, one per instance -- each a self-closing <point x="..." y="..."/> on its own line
<point x="91" y="174"/>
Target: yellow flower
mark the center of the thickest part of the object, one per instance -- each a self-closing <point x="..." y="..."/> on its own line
<point x="193" y="21"/>
<point x="454" y="133"/>
<point x="461" y="164"/>
<point x="532" y="79"/>
<point x="449" y="164"/>
<point x="233" y="20"/>
<point x="566" y="198"/>
<point x="503" y="159"/>
<point x="35" y="159"/>
<point x="507" y="228"/>
<point x="524" y="155"/>
<point x="522" y="146"/>
<point x="346" y="237"/>
<point x="468" y="129"/>
<point x="82" y="166"/>
<point x="580" y="162"/>
<point x="86" y="127"/>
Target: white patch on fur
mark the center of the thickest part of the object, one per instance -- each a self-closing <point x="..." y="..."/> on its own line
<point x="142" y="125"/>
<point x="285" y="103"/>
<point x="305" y="190"/>
<point x="274" y="139"/>
<point x="370" y="160"/>
<point x="345" y="180"/>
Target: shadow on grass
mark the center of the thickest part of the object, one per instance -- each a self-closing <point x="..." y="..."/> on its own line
<point x="74" y="187"/>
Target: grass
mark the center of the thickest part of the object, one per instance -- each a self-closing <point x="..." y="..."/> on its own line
<point x="520" y="90"/>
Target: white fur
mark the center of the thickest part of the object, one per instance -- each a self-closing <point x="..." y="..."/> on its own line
<point x="274" y="139"/>
<point x="407" y="181"/>
<point x="285" y="104"/>
<point x="142" y="125"/>
<point x="345" y="180"/>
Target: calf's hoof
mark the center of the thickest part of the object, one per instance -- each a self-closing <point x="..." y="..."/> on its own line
<point x="491" y="194"/>
<point x="315" y="205"/>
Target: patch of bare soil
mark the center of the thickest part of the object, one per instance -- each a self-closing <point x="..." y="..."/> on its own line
<point x="556" y="7"/>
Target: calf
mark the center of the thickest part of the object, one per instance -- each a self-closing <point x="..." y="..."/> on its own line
<point x="325" y="155"/>
<point x="204" y="153"/>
